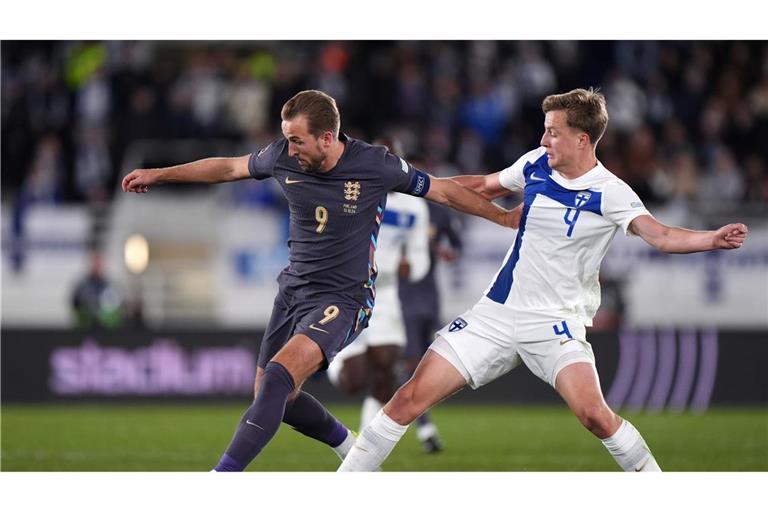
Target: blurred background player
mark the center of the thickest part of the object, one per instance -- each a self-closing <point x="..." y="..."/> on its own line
<point x="420" y="300"/>
<point x="96" y="301"/>
<point x="401" y="251"/>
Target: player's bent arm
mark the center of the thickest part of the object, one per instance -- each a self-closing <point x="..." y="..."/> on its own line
<point x="680" y="240"/>
<point x="448" y="192"/>
<point x="208" y="170"/>
<point x="489" y="186"/>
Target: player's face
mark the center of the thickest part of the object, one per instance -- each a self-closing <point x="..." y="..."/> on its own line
<point x="309" y="150"/>
<point x="560" y="140"/>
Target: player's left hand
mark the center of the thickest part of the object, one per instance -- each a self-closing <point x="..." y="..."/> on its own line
<point x="512" y="218"/>
<point x="730" y="236"/>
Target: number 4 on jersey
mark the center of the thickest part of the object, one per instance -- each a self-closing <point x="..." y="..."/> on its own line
<point x="581" y="200"/>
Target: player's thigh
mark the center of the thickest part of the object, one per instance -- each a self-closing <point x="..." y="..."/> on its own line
<point x="434" y="380"/>
<point x="546" y="347"/>
<point x="301" y="356"/>
<point x="331" y="323"/>
<point x="279" y="330"/>
<point x="579" y="385"/>
<point x="481" y="343"/>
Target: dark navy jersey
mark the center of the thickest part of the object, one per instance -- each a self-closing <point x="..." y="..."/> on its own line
<point x="335" y="216"/>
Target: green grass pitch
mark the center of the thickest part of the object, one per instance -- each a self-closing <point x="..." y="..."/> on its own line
<point x="477" y="438"/>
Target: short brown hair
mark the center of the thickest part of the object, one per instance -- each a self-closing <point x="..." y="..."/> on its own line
<point x="319" y="109"/>
<point x="585" y="110"/>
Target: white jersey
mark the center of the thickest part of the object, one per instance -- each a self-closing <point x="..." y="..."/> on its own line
<point x="404" y="232"/>
<point x="565" y="229"/>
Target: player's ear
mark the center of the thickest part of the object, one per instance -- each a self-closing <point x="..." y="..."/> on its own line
<point x="326" y="138"/>
<point x="583" y="140"/>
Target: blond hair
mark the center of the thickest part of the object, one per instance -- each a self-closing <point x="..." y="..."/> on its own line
<point x="585" y="110"/>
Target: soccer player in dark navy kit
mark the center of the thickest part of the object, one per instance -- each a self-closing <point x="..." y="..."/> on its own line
<point x="336" y="188"/>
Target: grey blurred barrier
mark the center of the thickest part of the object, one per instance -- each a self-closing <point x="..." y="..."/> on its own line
<point x="650" y="369"/>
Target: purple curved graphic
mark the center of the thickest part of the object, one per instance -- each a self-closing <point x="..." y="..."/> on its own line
<point x="645" y="371"/>
<point x="707" y="371"/>
<point x="685" y="371"/>
<point x="665" y="371"/>
<point x="625" y="373"/>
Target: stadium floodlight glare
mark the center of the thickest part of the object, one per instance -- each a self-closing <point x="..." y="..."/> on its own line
<point x="136" y="253"/>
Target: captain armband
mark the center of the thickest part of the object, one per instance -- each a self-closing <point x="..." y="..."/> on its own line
<point x="419" y="185"/>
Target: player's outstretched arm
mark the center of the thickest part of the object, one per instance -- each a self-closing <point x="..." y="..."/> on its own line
<point x="489" y="186"/>
<point x="450" y="193"/>
<point x="679" y="240"/>
<point x="208" y="170"/>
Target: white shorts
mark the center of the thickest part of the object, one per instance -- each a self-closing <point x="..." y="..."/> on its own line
<point x="386" y="327"/>
<point x="489" y="340"/>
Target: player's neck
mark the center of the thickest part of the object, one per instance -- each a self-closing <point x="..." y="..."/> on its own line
<point x="579" y="168"/>
<point x="333" y="156"/>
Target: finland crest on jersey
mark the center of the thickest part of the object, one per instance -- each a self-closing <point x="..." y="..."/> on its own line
<point x="565" y="229"/>
<point x="457" y="324"/>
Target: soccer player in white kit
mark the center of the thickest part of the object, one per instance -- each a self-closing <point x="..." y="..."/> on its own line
<point x="403" y="241"/>
<point x="546" y="292"/>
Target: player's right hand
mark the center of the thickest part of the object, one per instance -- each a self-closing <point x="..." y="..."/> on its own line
<point x="139" y="180"/>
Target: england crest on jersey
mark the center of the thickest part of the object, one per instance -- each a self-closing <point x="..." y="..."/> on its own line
<point x="351" y="190"/>
<point x="457" y="325"/>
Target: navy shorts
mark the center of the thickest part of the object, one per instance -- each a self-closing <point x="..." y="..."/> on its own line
<point x="420" y="329"/>
<point x="332" y="323"/>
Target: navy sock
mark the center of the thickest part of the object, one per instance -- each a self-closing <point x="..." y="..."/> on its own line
<point x="423" y="419"/>
<point x="308" y="416"/>
<point x="261" y="421"/>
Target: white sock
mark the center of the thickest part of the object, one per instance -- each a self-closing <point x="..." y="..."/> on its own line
<point x="374" y="444"/>
<point x="629" y="449"/>
<point x="370" y="407"/>
<point x="343" y="449"/>
<point x="424" y="432"/>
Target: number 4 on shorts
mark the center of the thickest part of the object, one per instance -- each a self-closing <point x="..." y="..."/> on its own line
<point x="563" y="330"/>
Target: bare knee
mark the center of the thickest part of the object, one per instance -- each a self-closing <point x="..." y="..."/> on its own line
<point x="403" y="408"/>
<point x="598" y="419"/>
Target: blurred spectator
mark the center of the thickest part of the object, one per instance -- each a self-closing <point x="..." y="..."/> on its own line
<point x="96" y="302"/>
<point x="93" y="165"/>
<point x="685" y="172"/>
<point x="641" y="163"/>
<point x="536" y="75"/>
<point x="626" y="103"/>
<point x="724" y="180"/>
<point x="756" y="179"/>
<point x="248" y="101"/>
<point x="42" y="185"/>
<point x="483" y="113"/>
<point x="200" y="91"/>
<point x="470" y="104"/>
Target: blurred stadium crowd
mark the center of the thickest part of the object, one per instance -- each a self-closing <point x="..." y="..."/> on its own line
<point x="689" y="120"/>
